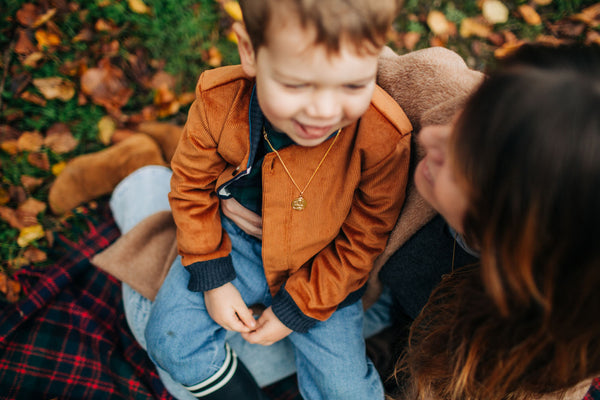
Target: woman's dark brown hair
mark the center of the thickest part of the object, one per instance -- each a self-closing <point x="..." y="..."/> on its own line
<point x="525" y="321"/>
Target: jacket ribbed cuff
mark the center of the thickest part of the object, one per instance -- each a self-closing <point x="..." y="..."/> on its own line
<point x="210" y="274"/>
<point x="290" y="314"/>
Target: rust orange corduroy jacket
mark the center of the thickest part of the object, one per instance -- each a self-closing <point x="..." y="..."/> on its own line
<point x="320" y="254"/>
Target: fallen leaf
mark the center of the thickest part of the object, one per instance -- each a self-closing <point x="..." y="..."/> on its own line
<point x="437" y="22"/>
<point x="58" y="167"/>
<point x="507" y="49"/>
<point x="30" y="183"/>
<point x="138" y="7"/>
<point x="14" y="291"/>
<point x="31" y="207"/>
<point x="568" y="28"/>
<point x="542" y="2"/>
<point x="27" y="14"/>
<point x="39" y="160"/>
<point x="24" y="45"/>
<point x="17" y="194"/>
<point x="162" y="78"/>
<point x="10" y="146"/>
<point x="7" y="132"/>
<point x="103" y="25"/>
<point x="30" y="234"/>
<point x="30" y="141"/>
<point x="85" y="35"/>
<point x="9" y="215"/>
<point x="4" y="197"/>
<point x="186" y="98"/>
<point x="592" y="37"/>
<point x="106" y="85"/>
<point x="529" y="14"/>
<point x="60" y="139"/>
<point x="46" y="39"/>
<point x="55" y="88"/>
<point x="106" y="128"/>
<point x="35" y="255"/>
<point x="494" y="11"/>
<point x="42" y="19"/>
<point x="233" y="9"/>
<point x="589" y="15"/>
<point x="471" y="27"/>
<point x="33" y="59"/>
<point x="215" y="58"/>
<point x="33" y="98"/>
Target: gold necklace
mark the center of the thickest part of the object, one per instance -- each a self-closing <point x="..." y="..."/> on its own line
<point x="299" y="203"/>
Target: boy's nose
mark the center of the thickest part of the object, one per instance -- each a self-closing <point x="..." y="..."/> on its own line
<point x="323" y="105"/>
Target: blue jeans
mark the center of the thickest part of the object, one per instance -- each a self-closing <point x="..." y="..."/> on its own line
<point x="145" y="192"/>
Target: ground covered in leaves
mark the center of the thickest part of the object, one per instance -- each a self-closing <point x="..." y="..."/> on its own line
<point x="75" y="76"/>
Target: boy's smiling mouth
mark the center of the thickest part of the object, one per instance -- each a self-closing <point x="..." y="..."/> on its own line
<point x="313" y="131"/>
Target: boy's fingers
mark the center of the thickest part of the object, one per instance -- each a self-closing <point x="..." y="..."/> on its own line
<point x="246" y="317"/>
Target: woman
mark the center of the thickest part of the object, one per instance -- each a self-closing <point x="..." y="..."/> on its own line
<point x="518" y="176"/>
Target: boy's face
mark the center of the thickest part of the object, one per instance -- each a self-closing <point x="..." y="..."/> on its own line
<point x="305" y="91"/>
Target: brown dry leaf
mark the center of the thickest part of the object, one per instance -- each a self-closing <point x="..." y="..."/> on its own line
<point x="9" y="215"/>
<point x="3" y="282"/>
<point x="529" y="14"/>
<point x="106" y="85"/>
<point x="138" y="7"/>
<point x="30" y="141"/>
<point x="28" y="14"/>
<point x="55" y="88"/>
<point x="103" y="25"/>
<point x="85" y="35"/>
<point x="14" y="291"/>
<point x="24" y="45"/>
<point x="507" y="49"/>
<point x="30" y="182"/>
<point x="494" y="11"/>
<point x="233" y="9"/>
<point x="35" y="255"/>
<point x="162" y="78"/>
<point x="32" y="207"/>
<point x="39" y="160"/>
<point x="567" y="27"/>
<point x="592" y="37"/>
<point x="214" y="57"/>
<point x="60" y="139"/>
<point x="33" y="98"/>
<point x="46" y="39"/>
<point x="542" y="2"/>
<point x="471" y="27"/>
<point x="589" y="15"/>
<point x="33" y="59"/>
<point x="106" y="128"/>
<point x="42" y="19"/>
<point x="186" y="98"/>
<point x="7" y="132"/>
<point x="437" y="22"/>
<point x="10" y="146"/>
<point x="4" y="197"/>
<point x="29" y="234"/>
<point x="17" y="193"/>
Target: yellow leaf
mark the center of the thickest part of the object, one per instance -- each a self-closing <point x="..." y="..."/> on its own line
<point x="494" y="11"/>
<point x="530" y="15"/>
<point x="46" y="39"/>
<point x="233" y="9"/>
<point x="231" y="36"/>
<point x="4" y="197"/>
<point x="470" y="27"/>
<point x="437" y="22"/>
<point x="55" y="88"/>
<point x="58" y="167"/>
<point x="138" y="6"/>
<point x="30" y="234"/>
<point x="106" y="128"/>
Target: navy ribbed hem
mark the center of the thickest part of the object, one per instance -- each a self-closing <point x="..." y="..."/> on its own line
<point x="290" y="314"/>
<point x="210" y="274"/>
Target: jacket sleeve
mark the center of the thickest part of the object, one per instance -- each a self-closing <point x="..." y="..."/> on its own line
<point x="314" y="292"/>
<point x="202" y="242"/>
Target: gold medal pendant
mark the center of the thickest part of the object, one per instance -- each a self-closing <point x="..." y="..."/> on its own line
<point x="299" y="203"/>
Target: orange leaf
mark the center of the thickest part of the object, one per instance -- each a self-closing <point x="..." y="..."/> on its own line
<point x="471" y="27"/>
<point x="14" y="290"/>
<point x="46" y="39"/>
<point x="10" y="146"/>
<point x="33" y="98"/>
<point x="33" y="59"/>
<point x="30" y="141"/>
<point x="138" y="7"/>
<point x="35" y="255"/>
<point x="55" y="88"/>
<point x="9" y="215"/>
<point x="215" y="58"/>
<point x="60" y="139"/>
<point x="411" y="39"/>
<point x="24" y="45"/>
<point x="437" y="22"/>
<point x="106" y="85"/>
<point x="589" y="15"/>
<point x="529" y="14"/>
<point x="32" y="207"/>
<point x="42" y="19"/>
<point x="30" y="182"/>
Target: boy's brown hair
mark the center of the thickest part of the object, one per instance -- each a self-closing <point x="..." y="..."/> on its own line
<point x="359" y="21"/>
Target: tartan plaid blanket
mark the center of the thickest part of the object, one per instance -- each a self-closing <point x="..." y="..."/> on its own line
<point x="68" y="338"/>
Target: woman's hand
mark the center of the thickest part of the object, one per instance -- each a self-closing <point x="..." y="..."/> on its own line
<point x="269" y="330"/>
<point x="227" y="308"/>
<point x="246" y="220"/>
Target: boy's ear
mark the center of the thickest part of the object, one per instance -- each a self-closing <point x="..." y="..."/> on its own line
<point x="245" y="49"/>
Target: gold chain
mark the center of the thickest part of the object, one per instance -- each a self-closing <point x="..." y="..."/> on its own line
<point x="299" y="203"/>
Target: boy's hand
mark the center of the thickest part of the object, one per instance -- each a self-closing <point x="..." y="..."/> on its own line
<point x="268" y="330"/>
<point x="248" y="221"/>
<point x="227" y="308"/>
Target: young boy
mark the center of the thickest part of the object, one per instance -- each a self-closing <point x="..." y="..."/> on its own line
<point x="301" y="135"/>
